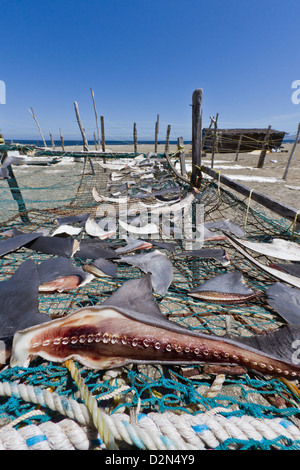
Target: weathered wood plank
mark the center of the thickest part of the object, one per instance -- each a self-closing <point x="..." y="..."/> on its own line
<point x="196" y="136"/>
<point x="292" y="153"/>
<point x="277" y="207"/>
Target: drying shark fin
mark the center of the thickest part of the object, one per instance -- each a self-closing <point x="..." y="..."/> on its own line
<point x="283" y="276"/>
<point x="59" y="274"/>
<point x="19" y="301"/>
<point x="158" y="264"/>
<point x="227" y="287"/>
<point x="135" y="295"/>
<point x="286" y="301"/>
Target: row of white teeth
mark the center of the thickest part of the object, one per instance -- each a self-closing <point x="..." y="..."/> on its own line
<point x="113" y="339"/>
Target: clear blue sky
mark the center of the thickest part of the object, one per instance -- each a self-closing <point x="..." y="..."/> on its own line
<point x="144" y="58"/>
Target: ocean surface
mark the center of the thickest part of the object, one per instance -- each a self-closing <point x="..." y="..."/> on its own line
<point x="40" y="143"/>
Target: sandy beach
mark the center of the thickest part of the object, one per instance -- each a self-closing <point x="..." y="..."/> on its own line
<point x="54" y="185"/>
<point x="267" y="180"/>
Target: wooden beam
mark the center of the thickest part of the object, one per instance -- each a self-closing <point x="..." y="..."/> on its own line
<point x="263" y="152"/>
<point x="85" y="142"/>
<point x="292" y="152"/>
<point x="196" y="136"/>
<point x="277" y="207"/>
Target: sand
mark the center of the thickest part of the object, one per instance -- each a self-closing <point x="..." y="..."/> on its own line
<point x="39" y="184"/>
<point x="267" y="180"/>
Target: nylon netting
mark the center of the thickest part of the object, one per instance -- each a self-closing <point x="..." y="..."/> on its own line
<point x="132" y="393"/>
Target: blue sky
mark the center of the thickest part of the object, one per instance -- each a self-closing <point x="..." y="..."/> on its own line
<point x="146" y="57"/>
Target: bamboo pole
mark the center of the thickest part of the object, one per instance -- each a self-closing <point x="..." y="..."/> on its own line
<point x="292" y="152"/>
<point x="37" y="123"/>
<point x="85" y="143"/>
<point x="196" y="137"/>
<point x="96" y="117"/>
<point x="134" y="137"/>
<point x="263" y="152"/>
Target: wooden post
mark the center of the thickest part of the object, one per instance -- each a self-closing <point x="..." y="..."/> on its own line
<point x="85" y="143"/>
<point x="263" y="152"/>
<point x="238" y="147"/>
<point x="196" y="137"/>
<point x="96" y="117"/>
<point x="180" y="146"/>
<point x="214" y="140"/>
<point x="102" y="134"/>
<point x="134" y="137"/>
<point x="95" y="141"/>
<point x="37" y="123"/>
<point x="167" y="138"/>
<point x="16" y="192"/>
<point x="156" y="133"/>
<point x="62" y="141"/>
<point x="52" y="141"/>
<point x="292" y="152"/>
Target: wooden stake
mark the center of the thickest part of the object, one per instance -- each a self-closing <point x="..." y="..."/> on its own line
<point x="95" y="141"/>
<point x="85" y="143"/>
<point x="52" y="141"/>
<point x="238" y="147"/>
<point x="263" y="152"/>
<point x="96" y="117"/>
<point x="214" y="140"/>
<point x="102" y="134"/>
<point x="167" y="138"/>
<point x="37" y="123"/>
<point x="180" y="146"/>
<point x="156" y="133"/>
<point x="292" y="152"/>
<point x="62" y="141"/>
<point x="15" y="191"/>
<point x="196" y="137"/>
<point x="134" y="137"/>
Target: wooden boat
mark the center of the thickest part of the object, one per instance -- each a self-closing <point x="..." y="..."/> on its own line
<point x="243" y="140"/>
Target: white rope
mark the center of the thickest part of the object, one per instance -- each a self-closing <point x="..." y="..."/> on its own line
<point x="66" y="406"/>
<point x="66" y="435"/>
<point x="154" y="431"/>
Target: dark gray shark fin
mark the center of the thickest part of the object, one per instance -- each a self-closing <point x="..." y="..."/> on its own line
<point x="135" y="295"/>
<point x="282" y="343"/>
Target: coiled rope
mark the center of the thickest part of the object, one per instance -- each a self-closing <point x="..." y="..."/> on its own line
<point x="153" y="431"/>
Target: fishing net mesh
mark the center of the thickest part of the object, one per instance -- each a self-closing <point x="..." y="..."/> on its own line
<point x="55" y="192"/>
